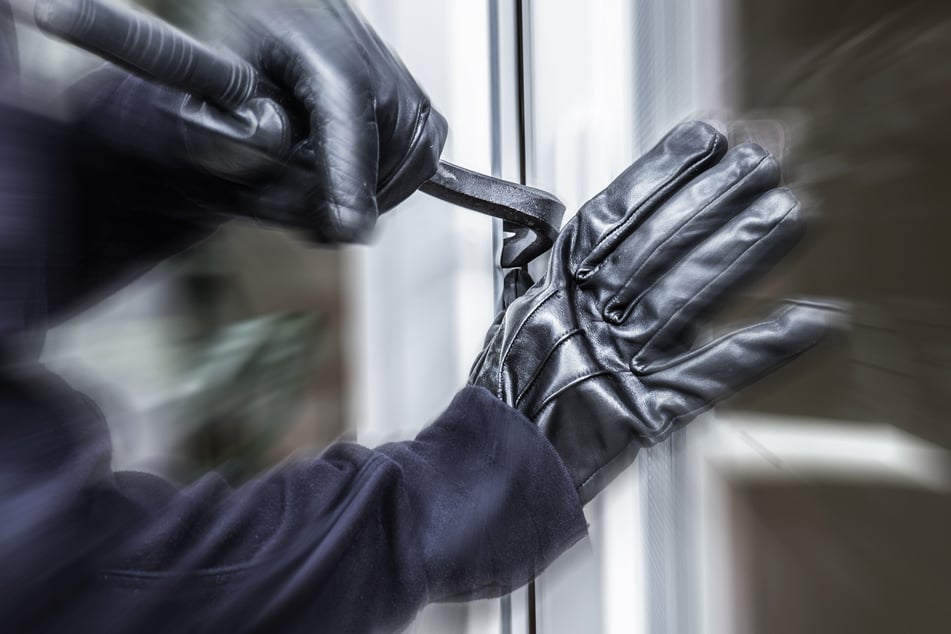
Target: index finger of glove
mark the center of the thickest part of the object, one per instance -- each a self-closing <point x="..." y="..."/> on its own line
<point x="691" y="215"/>
<point x="609" y="217"/>
<point x="740" y="251"/>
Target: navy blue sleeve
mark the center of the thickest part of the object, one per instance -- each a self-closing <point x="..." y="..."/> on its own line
<point x="355" y="540"/>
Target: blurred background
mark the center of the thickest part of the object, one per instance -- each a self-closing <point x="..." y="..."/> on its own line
<point x="817" y="501"/>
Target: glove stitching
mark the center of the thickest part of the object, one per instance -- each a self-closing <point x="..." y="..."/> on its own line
<point x="624" y="225"/>
<point x="505" y="353"/>
<point x="617" y="320"/>
<point x="581" y="378"/>
<point x="359" y="39"/>
<point x="422" y="116"/>
<point x="565" y="337"/>
<point x="321" y="163"/>
<point x="692" y="354"/>
<point x="642" y="371"/>
<point x="781" y="362"/>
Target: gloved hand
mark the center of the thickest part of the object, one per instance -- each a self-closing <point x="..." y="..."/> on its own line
<point x="369" y="136"/>
<point x="374" y="135"/>
<point x="141" y="195"/>
<point x="598" y="353"/>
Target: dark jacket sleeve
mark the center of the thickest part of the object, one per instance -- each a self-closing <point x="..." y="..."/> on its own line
<point x="355" y="540"/>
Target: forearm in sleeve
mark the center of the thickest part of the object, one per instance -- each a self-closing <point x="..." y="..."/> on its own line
<point x="354" y="540"/>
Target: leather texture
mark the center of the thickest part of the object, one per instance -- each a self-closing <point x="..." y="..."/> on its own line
<point x="599" y="353"/>
<point x="374" y="137"/>
<point x="368" y="135"/>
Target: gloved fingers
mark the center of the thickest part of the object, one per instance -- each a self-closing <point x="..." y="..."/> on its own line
<point x="412" y="132"/>
<point x="694" y="213"/>
<point x="744" y="248"/>
<point x="514" y="285"/>
<point x="568" y="363"/>
<point x="702" y="377"/>
<point x="516" y="282"/>
<point x="399" y="179"/>
<point x="115" y="107"/>
<point x="337" y="94"/>
<point x="609" y="217"/>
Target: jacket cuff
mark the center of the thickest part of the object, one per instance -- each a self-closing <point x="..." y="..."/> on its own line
<point x="500" y="503"/>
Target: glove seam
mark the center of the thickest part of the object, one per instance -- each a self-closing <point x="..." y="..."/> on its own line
<point x="699" y="410"/>
<point x="691" y="354"/>
<point x="641" y="370"/>
<point x="422" y="116"/>
<point x="623" y="225"/>
<point x="565" y="337"/>
<point x="615" y="301"/>
<point x="503" y="357"/>
<point x="581" y="378"/>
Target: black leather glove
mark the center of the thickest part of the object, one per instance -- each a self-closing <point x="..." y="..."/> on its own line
<point x="375" y="137"/>
<point x="368" y="135"/>
<point x="599" y="353"/>
<point x="141" y="193"/>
